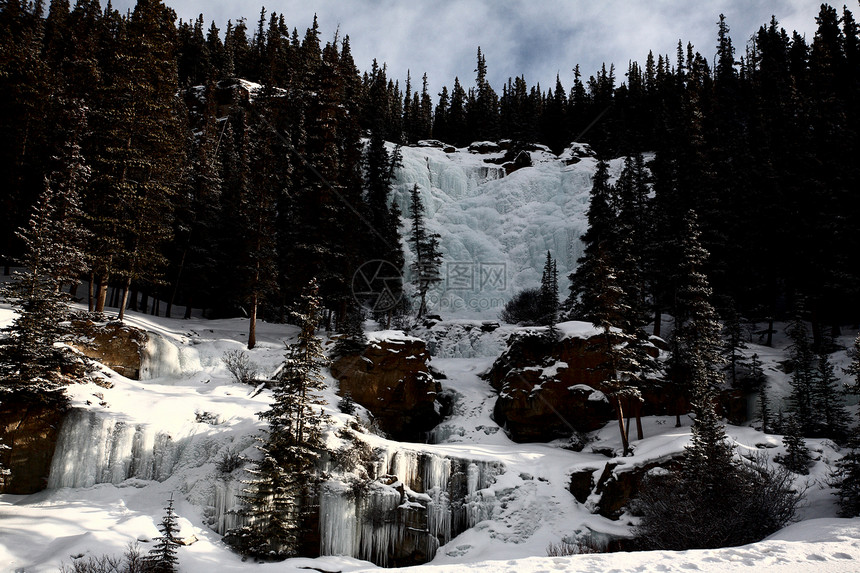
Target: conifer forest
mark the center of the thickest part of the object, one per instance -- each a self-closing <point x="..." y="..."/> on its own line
<point x="215" y="189"/>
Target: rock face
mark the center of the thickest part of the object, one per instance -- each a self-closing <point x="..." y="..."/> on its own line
<point x="392" y="380"/>
<point x="548" y="390"/>
<point x="551" y="389"/>
<point x="116" y="345"/>
<point x="616" y="485"/>
<point x="30" y="431"/>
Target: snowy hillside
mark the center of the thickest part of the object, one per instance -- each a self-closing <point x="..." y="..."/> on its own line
<point x="126" y="449"/>
<point x="495" y="228"/>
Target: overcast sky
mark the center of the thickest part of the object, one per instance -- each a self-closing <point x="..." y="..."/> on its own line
<point x="535" y="38"/>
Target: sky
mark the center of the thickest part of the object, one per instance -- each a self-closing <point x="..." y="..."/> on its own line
<point x="534" y="38"/>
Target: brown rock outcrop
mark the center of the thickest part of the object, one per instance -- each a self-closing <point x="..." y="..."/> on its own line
<point x="116" y="345"/>
<point x="547" y="389"/>
<point x="30" y="430"/>
<point x="392" y="380"/>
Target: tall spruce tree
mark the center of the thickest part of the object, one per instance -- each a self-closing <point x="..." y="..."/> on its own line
<point x="695" y="361"/>
<point x="163" y="557"/>
<point x="597" y="237"/>
<point x="549" y="295"/>
<point x="802" y="361"/>
<point x="32" y="365"/>
<point x="622" y="366"/>
<point x="283" y="489"/>
<point x="427" y="264"/>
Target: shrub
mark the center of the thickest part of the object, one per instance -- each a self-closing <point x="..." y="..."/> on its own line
<point x="132" y="561"/>
<point x="579" y="546"/>
<point x="524" y="308"/>
<point x="230" y="461"/>
<point x="754" y="501"/>
<point x="241" y="368"/>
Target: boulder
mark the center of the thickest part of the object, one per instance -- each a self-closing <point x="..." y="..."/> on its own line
<point x="116" y="345"/>
<point x="619" y="484"/>
<point x="549" y="389"/>
<point x="391" y="378"/>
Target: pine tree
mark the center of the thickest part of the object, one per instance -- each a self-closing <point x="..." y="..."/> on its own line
<point x="428" y="258"/>
<point x="733" y="342"/>
<point x="757" y="378"/>
<point x="601" y="220"/>
<point x="853" y="370"/>
<point x="283" y="488"/>
<point x="549" y="296"/>
<point x="797" y="456"/>
<point x="827" y="401"/>
<point x="31" y="364"/>
<point x="163" y="557"/>
<point x="695" y="362"/>
<point x="139" y="151"/>
<point x="624" y="370"/>
<point x="802" y="376"/>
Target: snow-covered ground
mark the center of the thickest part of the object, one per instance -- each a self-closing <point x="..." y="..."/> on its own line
<point x="189" y="416"/>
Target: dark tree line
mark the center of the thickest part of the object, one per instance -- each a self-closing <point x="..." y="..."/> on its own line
<point x="227" y="197"/>
<point x="205" y="190"/>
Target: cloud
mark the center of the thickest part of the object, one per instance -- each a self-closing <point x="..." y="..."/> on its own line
<point x="537" y="39"/>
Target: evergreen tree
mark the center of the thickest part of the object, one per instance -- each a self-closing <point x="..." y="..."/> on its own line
<point x="624" y="370"/>
<point x="827" y="401"/>
<point x="695" y="362"/>
<point x="32" y="366"/>
<point x="139" y="151"/>
<point x="426" y="267"/>
<point x="758" y="380"/>
<point x="802" y="376"/>
<point x="597" y="238"/>
<point x="162" y="557"/>
<point x="733" y="343"/>
<point x="549" y="295"/>
<point x="283" y="489"/>
<point x="853" y="370"/>
<point x="796" y="458"/>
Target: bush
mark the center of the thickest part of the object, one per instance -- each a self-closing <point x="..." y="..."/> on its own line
<point x="131" y="562"/>
<point x="230" y="461"/>
<point x="754" y="501"/>
<point x="579" y="546"/>
<point x="241" y="368"/>
<point x="523" y="309"/>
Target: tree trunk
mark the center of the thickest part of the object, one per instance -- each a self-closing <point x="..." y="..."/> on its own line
<point x="132" y="305"/>
<point x="187" y="308"/>
<point x="769" y="332"/>
<point x="144" y="302"/>
<point x="658" y="322"/>
<point x="620" y="414"/>
<point x="101" y="294"/>
<point x="91" y="295"/>
<point x="252" y="330"/>
<point x="124" y="299"/>
<point x="156" y="305"/>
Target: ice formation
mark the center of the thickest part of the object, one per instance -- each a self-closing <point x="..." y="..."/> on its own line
<point x="419" y="500"/>
<point x="98" y="448"/>
<point x="496" y="229"/>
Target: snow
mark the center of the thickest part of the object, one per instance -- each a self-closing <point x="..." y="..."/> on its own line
<point x="126" y="449"/>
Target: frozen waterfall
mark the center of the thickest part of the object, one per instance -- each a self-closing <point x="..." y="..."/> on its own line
<point x="419" y="501"/>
